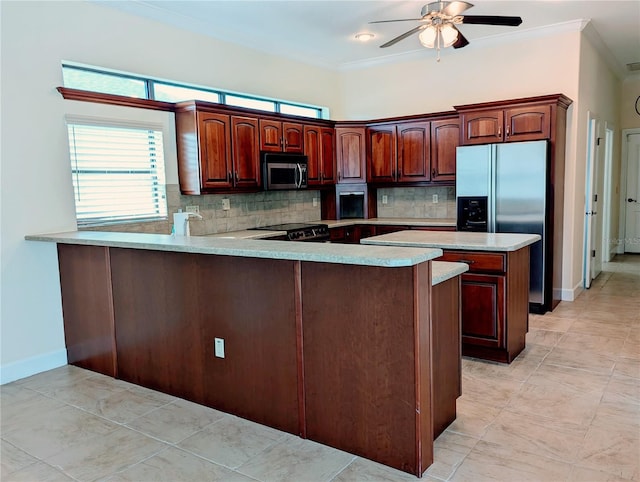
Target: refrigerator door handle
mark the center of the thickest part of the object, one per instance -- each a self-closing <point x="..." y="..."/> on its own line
<point x="491" y="228"/>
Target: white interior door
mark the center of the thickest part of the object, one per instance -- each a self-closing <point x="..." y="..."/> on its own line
<point x="590" y="203"/>
<point x="632" y="217"/>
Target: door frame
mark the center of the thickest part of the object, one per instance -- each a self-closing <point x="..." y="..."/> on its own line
<point x="623" y="187"/>
<point x="592" y="134"/>
<point x="608" y="245"/>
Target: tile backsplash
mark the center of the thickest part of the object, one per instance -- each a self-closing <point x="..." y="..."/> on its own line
<point x="417" y="202"/>
<point x="276" y="207"/>
<point x="246" y="211"/>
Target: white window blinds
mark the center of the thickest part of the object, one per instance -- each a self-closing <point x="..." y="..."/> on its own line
<point x="118" y="173"/>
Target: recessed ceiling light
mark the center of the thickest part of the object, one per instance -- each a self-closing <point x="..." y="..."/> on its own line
<point x="364" y="36"/>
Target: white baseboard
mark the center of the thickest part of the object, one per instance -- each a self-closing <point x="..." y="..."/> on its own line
<point x="570" y="294"/>
<point x="30" y="366"/>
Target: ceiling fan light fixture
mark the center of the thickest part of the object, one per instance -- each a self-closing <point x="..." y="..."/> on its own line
<point x="449" y="35"/>
<point x="428" y="37"/>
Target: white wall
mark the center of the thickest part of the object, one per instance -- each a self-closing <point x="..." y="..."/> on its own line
<point x="36" y="194"/>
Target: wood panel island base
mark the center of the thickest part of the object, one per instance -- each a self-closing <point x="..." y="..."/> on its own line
<point x="333" y="343"/>
<point x="495" y="290"/>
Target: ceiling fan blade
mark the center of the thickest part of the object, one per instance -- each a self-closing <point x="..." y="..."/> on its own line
<point x="491" y="20"/>
<point x="403" y="36"/>
<point x="399" y="20"/>
<point x="456" y="8"/>
<point x="461" y="42"/>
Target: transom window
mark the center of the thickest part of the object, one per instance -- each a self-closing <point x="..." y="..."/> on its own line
<point x="96" y="80"/>
<point x="118" y="172"/>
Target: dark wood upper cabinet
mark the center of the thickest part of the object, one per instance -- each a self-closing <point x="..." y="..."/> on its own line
<point x="510" y="123"/>
<point x="398" y="152"/>
<point x="319" y="147"/>
<point x="445" y="137"/>
<point x="246" y="152"/>
<point x="215" y="149"/>
<point x="414" y="152"/>
<point x="351" y="154"/>
<point x="527" y="123"/>
<point x="381" y="154"/>
<point x="279" y="136"/>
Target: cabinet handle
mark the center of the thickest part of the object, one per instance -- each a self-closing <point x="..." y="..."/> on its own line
<point x="229" y="177"/>
<point x="507" y="131"/>
<point x="236" y="178"/>
<point x="467" y="261"/>
<point x="433" y="173"/>
<point x="499" y="131"/>
<point x="339" y="176"/>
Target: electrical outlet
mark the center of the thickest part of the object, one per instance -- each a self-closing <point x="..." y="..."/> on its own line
<point x="226" y="204"/>
<point x="315" y="202"/>
<point x="385" y="199"/>
<point x="193" y="209"/>
<point x="218" y="347"/>
<point x="434" y="199"/>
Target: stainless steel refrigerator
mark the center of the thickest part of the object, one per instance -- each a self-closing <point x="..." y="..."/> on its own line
<point x="504" y="188"/>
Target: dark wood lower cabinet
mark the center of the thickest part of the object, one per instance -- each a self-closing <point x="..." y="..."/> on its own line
<point x="169" y="308"/>
<point x="354" y="357"/>
<point x="447" y="366"/>
<point x="495" y="302"/>
<point x="367" y="372"/>
<point x="87" y="307"/>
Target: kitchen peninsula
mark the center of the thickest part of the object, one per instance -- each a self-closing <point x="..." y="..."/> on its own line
<point x="495" y="290"/>
<point x="327" y="341"/>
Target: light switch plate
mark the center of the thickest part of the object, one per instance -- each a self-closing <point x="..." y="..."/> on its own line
<point x="193" y="209"/>
<point x="434" y="199"/>
<point x="218" y="346"/>
<point x="226" y="204"/>
<point x="385" y="199"/>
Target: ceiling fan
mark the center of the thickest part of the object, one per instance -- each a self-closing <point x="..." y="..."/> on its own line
<point x="438" y="25"/>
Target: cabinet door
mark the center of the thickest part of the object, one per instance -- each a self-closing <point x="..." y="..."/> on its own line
<point x="246" y="151"/>
<point x="293" y="137"/>
<point x="313" y="151"/>
<point x="414" y="152"/>
<point x="270" y="135"/>
<point x="328" y="155"/>
<point x="482" y="127"/>
<point x="381" y="154"/>
<point x="350" y="155"/>
<point x="215" y="150"/>
<point x="483" y="310"/>
<point x="445" y="137"/>
<point x="528" y="123"/>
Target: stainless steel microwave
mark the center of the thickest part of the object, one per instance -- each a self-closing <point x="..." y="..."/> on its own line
<point x="283" y="170"/>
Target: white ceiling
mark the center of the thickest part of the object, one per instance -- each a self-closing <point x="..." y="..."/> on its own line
<point x="322" y="32"/>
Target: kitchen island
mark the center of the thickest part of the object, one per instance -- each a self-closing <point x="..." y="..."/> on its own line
<point x="334" y="343"/>
<point x="495" y="290"/>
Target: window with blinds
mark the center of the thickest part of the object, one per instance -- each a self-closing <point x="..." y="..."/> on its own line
<point x="118" y="172"/>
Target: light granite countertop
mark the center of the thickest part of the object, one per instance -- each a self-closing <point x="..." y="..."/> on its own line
<point x="444" y="270"/>
<point x="355" y="254"/>
<point x="454" y="240"/>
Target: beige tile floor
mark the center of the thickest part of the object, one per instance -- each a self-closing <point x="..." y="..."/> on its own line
<point x="567" y="409"/>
